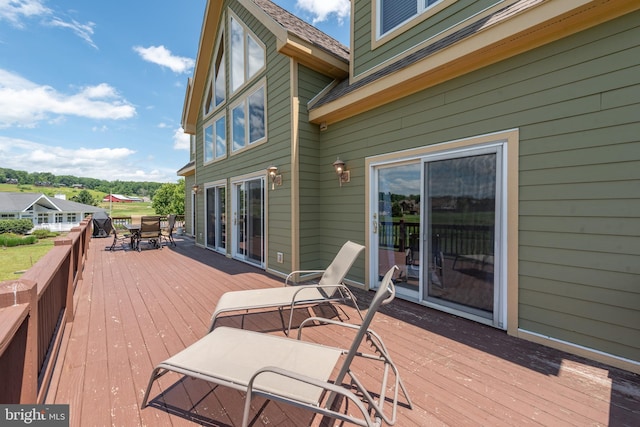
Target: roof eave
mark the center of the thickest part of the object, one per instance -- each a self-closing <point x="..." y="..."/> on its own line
<point x="188" y="169"/>
<point x="304" y="52"/>
<point x="313" y="57"/>
<point x="205" y="51"/>
<point x="187" y="127"/>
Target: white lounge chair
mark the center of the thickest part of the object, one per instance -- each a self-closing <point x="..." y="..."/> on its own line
<point x="330" y="288"/>
<point x="295" y="371"/>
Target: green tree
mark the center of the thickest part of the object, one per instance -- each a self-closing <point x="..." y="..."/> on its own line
<point x="169" y="199"/>
<point x="84" y="197"/>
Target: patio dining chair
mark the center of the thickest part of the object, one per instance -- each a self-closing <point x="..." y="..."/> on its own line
<point x="150" y="230"/>
<point x="167" y="232"/>
<point x="118" y="237"/>
<point x="297" y="372"/>
<point x="330" y="288"/>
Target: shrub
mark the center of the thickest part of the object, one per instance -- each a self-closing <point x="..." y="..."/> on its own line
<point x="43" y="233"/>
<point x="11" y="240"/>
<point x="16" y="226"/>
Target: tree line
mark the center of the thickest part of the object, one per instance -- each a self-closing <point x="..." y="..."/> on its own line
<point x="142" y="189"/>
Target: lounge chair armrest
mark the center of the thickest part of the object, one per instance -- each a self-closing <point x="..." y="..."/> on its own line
<point x="327" y="386"/>
<point x="372" y="336"/>
<point x="301" y="288"/>
<point x="311" y="275"/>
<point x="326" y="322"/>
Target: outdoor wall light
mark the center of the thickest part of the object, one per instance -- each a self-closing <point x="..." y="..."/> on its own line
<point x="341" y="169"/>
<point x="195" y="188"/>
<point x="274" y="177"/>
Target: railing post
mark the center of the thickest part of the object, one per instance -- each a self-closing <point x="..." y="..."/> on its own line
<point x="65" y="241"/>
<point x="22" y="291"/>
<point x="80" y="252"/>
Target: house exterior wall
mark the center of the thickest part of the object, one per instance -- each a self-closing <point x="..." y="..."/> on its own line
<point x="576" y="104"/>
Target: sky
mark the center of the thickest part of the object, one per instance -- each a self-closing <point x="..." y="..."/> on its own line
<point x="95" y="89"/>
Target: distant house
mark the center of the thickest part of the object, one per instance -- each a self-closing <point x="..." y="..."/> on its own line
<point x="119" y="198"/>
<point x="45" y="212"/>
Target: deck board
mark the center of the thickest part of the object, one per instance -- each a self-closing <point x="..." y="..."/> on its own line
<point x="133" y="310"/>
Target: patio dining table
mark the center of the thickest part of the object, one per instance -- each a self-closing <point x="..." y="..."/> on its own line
<point x="134" y="232"/>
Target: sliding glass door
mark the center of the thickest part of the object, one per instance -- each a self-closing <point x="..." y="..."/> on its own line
<point x="438" y="217"/>
<point x="248" y="220"/>
<point x="216" y="218"/>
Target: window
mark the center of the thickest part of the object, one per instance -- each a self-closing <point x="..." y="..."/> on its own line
<point x="58" y="218"/>
<point x="216" y="92"/>
<point x="215" y="139"/>
<point x="247" y="55"/>
<point x="72" y="217"/>
<point x="248" y="120"/>
<point x="393" y="13"/>
<point x="43" y="218"/>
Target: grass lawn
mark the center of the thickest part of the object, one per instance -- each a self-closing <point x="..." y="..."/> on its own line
<point x="21" y="258"/>
<point x="128" y="209"/>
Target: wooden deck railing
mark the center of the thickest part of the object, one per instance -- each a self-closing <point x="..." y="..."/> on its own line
<point x="449" y="238"/>
<point x="33" y="313"/>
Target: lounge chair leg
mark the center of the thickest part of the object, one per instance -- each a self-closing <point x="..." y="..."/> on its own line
<point x="154" y="376"/>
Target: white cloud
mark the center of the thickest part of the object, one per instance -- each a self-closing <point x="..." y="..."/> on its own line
<point x="100" y="163"/>
<point x="17" y="11"/>
<point x="24" y="103"/>
<point x="181" y="140"/>
<point x="322" y="9"/>
<point x="162" y="56"/>
<point x="84" y="31"/>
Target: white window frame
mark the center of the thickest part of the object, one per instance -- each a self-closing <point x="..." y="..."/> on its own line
<point x="209" y="105"/>
<point x="506" y="309"/>
<point x="424" y="9"/>
<point x="243" y="102"/>
<point x="233" y="233"/>
<point x="247" y="77"/>
<point x="212" y="123"/>
<point x="218" y="246"/>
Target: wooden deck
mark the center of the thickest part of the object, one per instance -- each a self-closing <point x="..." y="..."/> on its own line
<point x="134" y="310"/>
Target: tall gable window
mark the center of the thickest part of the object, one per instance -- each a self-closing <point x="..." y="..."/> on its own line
<point x="247" y="55"/>
<point x="216" y="92"/>
<point x="393" y="13"/>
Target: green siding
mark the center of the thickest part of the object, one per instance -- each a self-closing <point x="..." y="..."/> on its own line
<point x="366" y="58"/>
<point x="310" y="83"/>
<point x="576" y="104"/>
